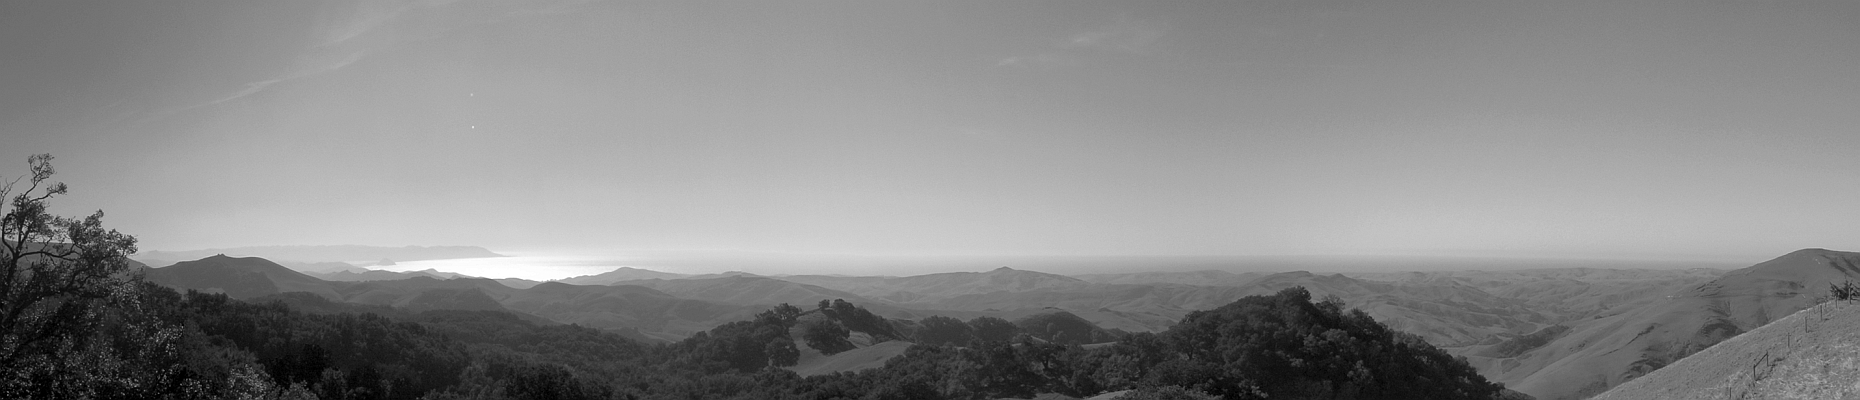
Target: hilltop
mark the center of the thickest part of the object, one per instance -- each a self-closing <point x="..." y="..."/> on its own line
<point x="239" y="277"/>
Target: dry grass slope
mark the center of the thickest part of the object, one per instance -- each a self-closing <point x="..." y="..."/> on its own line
<point x="1608" y="350"/>
<point x="1812" y="354"/>
<point x="874" y="356"/>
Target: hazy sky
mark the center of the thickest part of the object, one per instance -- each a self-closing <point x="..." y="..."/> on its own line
<point x="1681" y="128"/>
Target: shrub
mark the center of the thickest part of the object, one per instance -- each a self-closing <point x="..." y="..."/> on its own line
<point x="1848" y="291"/>
<point x="826" y="336"/>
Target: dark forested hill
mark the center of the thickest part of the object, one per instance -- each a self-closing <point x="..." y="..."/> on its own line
<point x="1286" y="346"/>
<point x="1064" y="328"/>
<point x="239" y="277"/>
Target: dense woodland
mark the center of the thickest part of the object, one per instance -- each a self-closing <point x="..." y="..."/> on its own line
<point x="78" y="321"/>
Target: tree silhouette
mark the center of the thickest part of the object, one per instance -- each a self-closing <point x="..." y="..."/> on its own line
<point x="1846" y="291"/>
<point x="993" y="329"/>
<point x="941" y="330"/>
<point x="826" y="336"/>
<point x="58" y="279"/>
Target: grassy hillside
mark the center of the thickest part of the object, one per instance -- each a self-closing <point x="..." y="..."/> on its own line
<point x="864" y="358"/>
<point x="1608" y="349"/>
<point x="1812" y="354"/>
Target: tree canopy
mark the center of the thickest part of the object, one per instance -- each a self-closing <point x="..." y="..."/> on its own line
<point x="64" y="283"/>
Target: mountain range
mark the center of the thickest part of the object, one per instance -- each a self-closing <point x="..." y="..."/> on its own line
<point x="327" y="254"/>
<point x="636" y="311"/>
<point x="619" y="274"/>
<point x="1556" y="333"/>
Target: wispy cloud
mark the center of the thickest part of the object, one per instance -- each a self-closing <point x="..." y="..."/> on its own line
<point x="1123" y="36"/>
<point x="250" y="88"/>
<point x="367" y="16"/>
<point x="348" y="35"/>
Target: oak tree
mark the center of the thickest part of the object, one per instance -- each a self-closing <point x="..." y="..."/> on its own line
<point x="58" y="278"/>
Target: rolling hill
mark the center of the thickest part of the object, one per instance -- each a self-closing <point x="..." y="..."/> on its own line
<point x="746" y="290"/>
<point x="1201" y="278"/>
<point x="626" y="308"/>
<point x="401" y="293"/>
<point x="652" y="313"/>
<point x="1064" y="328"/>
<point x="632" y="310"/>
<point x="867" y="348"/>
<point x="519" y="283"/>
<point x="239" y="277"/>
<point x="933" y="287"/>
<point x="619" y="274"/>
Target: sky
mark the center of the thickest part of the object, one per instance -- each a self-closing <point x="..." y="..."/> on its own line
<point x="1653" y="129"/>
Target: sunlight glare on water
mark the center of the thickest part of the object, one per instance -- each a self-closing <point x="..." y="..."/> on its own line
<point x="532" y="267"/>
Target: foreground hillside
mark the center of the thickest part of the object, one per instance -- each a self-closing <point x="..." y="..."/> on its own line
<point x="1563" y="294"/>
<point x="1812" y="354"/>
<point x="1586" y="357"/>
